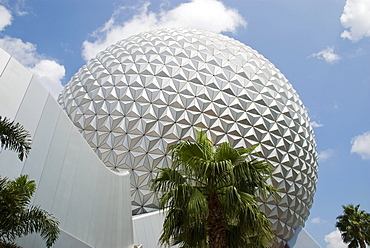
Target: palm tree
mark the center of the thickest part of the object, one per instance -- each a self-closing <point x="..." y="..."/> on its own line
<point x="14" y="137"/>
<point x="210" y="192"/>
<point x="18" y="218"/>
<point x="354" y="226"/>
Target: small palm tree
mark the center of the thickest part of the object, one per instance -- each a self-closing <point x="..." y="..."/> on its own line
<point x="18" y="218"/>
<point x="354" y="226"/>
<point x="210" y="196"/>
<point x="14" y="137"/>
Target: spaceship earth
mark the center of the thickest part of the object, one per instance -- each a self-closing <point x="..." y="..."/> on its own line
<point x="156" y="88"/>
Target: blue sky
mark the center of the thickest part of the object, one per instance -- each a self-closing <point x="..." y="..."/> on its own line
<point x="321" y="46"/>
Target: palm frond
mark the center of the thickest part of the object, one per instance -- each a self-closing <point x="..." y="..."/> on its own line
<point x="212" y="189"/>
<point x="225" y="152"/>
<point x="18" y="218"/>
<point x="13" y="136"/>
<point x="9" y="245"/>
<point x="179" y="229"/>
<point x="166" y="180"/>
<point x="38" y="220"/>
<point x="354" y="225"/>
<point x="197" y="207"/>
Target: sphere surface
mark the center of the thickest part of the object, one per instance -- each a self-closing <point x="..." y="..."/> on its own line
<point x="154" y="89"/>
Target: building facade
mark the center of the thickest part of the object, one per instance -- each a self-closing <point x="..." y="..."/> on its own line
<point x="91" y="202"/>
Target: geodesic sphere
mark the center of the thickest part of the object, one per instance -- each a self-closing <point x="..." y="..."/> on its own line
<point x="154" y="89"/>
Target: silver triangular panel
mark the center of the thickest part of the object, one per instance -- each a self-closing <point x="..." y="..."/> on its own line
<point x="143" y="94"/>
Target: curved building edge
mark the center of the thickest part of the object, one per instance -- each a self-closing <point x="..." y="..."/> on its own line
<point x="92" y="203"/>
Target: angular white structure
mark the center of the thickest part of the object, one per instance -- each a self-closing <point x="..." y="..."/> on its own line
<point x="91" y="202"/>
<point x="153" y="89"/>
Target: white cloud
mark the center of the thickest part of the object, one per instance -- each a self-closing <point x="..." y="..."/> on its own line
<point x="315" y="124"/>
<point x="317" y="220"/>
<point x="5" y="17"/>
<point x="324" y="155"/>
<point x="334" y="240"/>
<point x="17" y="7"/>
<point x="24" y="52"/>
<point x="355" y="17"/>
<point x="49" y="72"/>
<point x="210" y="15"/>
<point x="361" y="145"/>
<point x="328" y="55"/>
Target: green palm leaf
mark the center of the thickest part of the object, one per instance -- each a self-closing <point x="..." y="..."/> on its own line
<point x="210" y="194"/>
<point x="18" y="218"/>
<point x="14" y="137"/>
<point x="354" y="226"/>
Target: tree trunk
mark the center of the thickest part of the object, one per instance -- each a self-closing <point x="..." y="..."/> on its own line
<point x="362" y="244"/>
<point x="216" y="224"/>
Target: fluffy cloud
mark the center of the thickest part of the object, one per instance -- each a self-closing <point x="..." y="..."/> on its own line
<point x="324" y="155"/>
<point x="315" y="124"/>
<point x="24" y="52"/>
<point x="5" y="17"/>
<point x="361" y="145"/>
<point x="334" y="240"/>
<point x="355" y="17"/>
<point x="317" y="220"/>
<point x="210" y="15"/>
<point x="328" y="55"/>
<point x="49" y="72"/>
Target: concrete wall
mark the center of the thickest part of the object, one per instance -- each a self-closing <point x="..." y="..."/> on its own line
<point x="147" y="228"/>
<point x="92" y="203"/>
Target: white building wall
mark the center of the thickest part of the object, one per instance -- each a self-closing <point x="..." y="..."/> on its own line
<point x="302" y="239"/>
<point x="92" y="203"/>
<point x="148" y="228"/>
